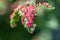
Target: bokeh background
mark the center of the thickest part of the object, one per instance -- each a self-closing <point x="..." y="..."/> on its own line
<point x="49" y="23"/>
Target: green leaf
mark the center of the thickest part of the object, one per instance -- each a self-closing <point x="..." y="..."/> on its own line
<point x="31" y="30"/>
<point x="20" y="13"/>
<point x="16" y="17"/>
<point x="25" y="21"/>
<point x="12" y="22"/>
<point x="35" y="25"/>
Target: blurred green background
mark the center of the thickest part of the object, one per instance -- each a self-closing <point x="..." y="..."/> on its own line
<point x="19" y="32"/>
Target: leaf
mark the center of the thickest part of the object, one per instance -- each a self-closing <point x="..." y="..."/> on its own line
<point x="25" y="21"/>
<point x="16" y="17"/>
<point x="12" y="22"/>
<point x="31" y="30"/>
<point x="35" y="25"/>
<point x="20" y="13"/>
